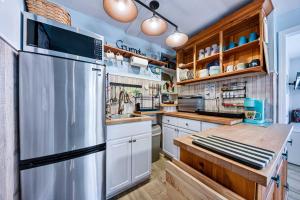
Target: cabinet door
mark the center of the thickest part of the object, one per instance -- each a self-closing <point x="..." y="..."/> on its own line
<point x="182" y="132"/>
<point x="169" y="133"/>
<point x="118" y="164"/>
<point x="207" y="125"/>
<point x="280" y="190"/>
<point x="141" y="156"/>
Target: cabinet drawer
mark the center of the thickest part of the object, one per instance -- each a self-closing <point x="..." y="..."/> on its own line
<point x="128" y="129"/>
<point x="189" y="124"/>
<point x="170" y="120"/>
<point x="183" y="182"/>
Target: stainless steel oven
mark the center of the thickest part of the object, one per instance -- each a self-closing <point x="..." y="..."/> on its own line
<point x="44" y="36"/>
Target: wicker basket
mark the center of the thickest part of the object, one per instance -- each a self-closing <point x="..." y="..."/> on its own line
<point x="49" y="10"/>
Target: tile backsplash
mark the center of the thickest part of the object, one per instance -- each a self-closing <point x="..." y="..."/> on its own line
<point x="259" y="87"/>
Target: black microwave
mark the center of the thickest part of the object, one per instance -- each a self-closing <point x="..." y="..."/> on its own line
<point x="45" y="36"/>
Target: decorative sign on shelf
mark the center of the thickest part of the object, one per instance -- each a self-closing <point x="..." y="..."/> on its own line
<point x="120" y="44"/>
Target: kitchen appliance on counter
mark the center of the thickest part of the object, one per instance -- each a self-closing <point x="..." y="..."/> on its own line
<point x="61" y="111"/>
<point x="254" y="111"/>
<point x="296" y="115"/>
<point x="190" y="103"/>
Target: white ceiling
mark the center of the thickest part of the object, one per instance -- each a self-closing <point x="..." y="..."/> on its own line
<point x="190" y="15"/>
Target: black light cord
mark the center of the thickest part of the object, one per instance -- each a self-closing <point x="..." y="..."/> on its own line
<point x="156" y="13"/>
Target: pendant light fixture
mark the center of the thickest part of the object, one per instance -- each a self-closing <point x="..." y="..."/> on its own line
<point x="176" y="39"/>
<point x="121" y="10"/>
<point x="154" y="26"/>
<point x="126" y="11"/>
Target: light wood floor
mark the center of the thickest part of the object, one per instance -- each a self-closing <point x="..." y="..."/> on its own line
<point x="155" y="189"/>
<point x="294" y="182"/>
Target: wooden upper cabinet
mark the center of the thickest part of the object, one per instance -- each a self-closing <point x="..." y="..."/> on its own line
<point x="248" y="19"/>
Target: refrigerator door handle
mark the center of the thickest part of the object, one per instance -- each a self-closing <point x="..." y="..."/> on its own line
<point x="100" y="104"/>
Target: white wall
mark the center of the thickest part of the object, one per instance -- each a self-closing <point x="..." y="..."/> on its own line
<point x="294" y="100"/>
<point x="10" y="21"/>
<point x="112" y="33"/>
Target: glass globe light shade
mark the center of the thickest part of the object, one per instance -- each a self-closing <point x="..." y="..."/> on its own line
<point x="154" y="26"/>
<point x="121" y="10"/>
<point x="176" y="39"/>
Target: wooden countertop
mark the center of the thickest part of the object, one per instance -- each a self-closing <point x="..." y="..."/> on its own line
<point x="139" y="118"/>
<point x="205" y="118"/>
<point x="149" y="112"/>
<point x="272" y="138"/>
<point x="168" y="105"/>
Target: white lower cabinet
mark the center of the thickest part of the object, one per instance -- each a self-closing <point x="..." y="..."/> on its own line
<point x="141" y="157"/>
<point x="169" y="133"/>
<point x="128" y="159"/>
<point x="118" y="164"/>
<point x="175" y="127"/>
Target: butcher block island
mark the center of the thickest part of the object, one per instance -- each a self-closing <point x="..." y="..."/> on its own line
<point x="201" y="173"/>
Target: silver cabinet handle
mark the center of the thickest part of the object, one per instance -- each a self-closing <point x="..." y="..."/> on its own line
<point x="130" y="141"/>
<point x="186" y="124"/>
<point x="290" y="142"/>
<point x="134" y="140"/>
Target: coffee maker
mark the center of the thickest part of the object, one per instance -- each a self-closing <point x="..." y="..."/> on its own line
<point x="254" y="111"/>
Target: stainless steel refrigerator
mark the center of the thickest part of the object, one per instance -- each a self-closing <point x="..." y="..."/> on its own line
<point x="62" y="128"/>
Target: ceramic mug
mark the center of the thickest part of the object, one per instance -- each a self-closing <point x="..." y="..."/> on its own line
<point x="252" y="115"/>
<point x="254" y="63"/>
<point x="240" y="66"/>
<point x="242" y="40"/>
<point x="201" y="54"/>
<point x="214" y="49"/>
<point x="229" y="68"/>
<point x="253" y="36"/>
<point x="110" y="55"/>
<point x="119" y="57"/>
<point x="207" y="51"/>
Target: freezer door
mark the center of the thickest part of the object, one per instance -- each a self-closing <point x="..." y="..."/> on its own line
<point x="61" y="105"/>
<point x="76" y="179"/>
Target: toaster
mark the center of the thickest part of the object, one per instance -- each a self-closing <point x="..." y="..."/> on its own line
<point x="190" y="103"/>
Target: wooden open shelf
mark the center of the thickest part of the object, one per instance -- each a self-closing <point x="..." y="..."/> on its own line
<point x="241" y="23"/>
<point x="208" y="59"/>
<point x="258" y="69"/>
<point x="128" y="54"/>
<point x="246" y="46"/>
<point x="188" y="65"/>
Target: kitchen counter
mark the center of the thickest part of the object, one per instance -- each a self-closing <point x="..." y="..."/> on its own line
<point x="218" y="177"/>
<point x="272" y="138"/>
<point x="168" y="105"/>
<point x="205" y="118"/>
<point x="137" y="118"/>
<point x="149" y="112"/>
